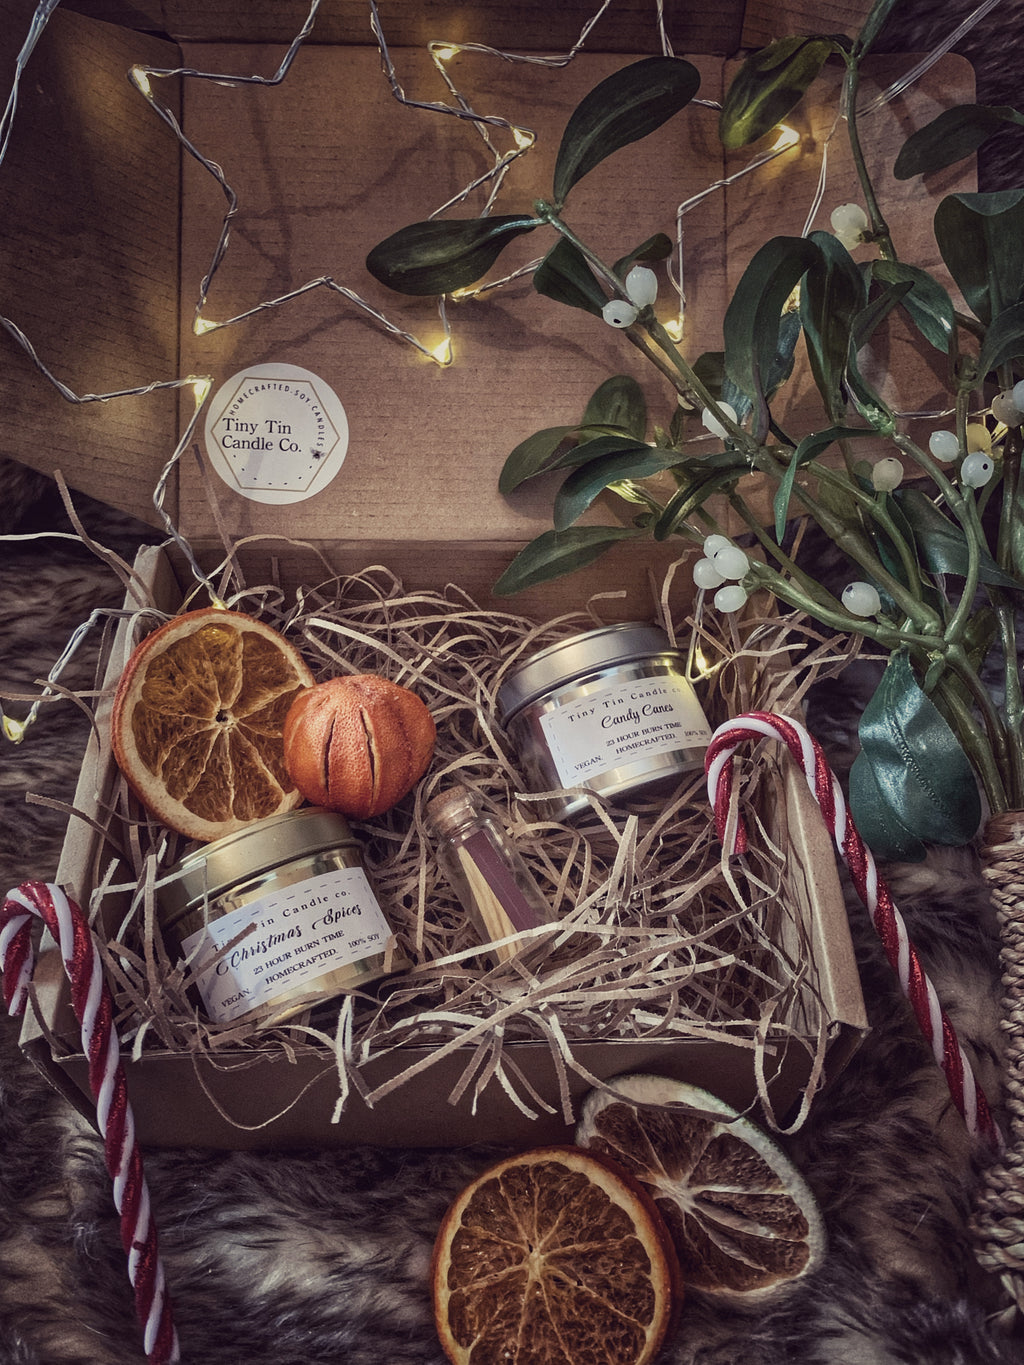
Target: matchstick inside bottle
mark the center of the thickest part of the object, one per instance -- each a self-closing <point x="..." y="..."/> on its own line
<point x="487" y="873"/>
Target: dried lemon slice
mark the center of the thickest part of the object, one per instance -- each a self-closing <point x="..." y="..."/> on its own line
<point x="553" y="1257"/>
<point x="742" y="1218"/>
<point x="198" y="717"/>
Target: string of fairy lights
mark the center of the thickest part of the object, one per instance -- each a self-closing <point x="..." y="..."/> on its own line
<point x="488" y="127"/>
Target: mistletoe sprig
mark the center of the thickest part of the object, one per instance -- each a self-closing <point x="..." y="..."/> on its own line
<point x="934" y="534"/>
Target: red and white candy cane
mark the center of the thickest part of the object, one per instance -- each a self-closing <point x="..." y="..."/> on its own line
<point x="93" y="1009"/>
<point x="967" y="1094"/>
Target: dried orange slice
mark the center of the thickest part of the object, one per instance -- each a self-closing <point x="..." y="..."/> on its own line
<point x="742" y="1218"/>
<point x="553" y="1257"/>
<point x="198" y="717"/>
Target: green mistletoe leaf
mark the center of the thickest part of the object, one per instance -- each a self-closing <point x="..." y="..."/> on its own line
<point x="656" y="248"/>
<point x="768" y="85"/>
<point x="623" y="108"/>
<point x="565" y="276"/>
<point x="585" y="484"/>
<point x="951" y="136"/>
<point x="1004" y="340"/>
<point x="927" y="303"/>
<point x="981" y="238"/>
<point x="873" y="25"/>
<point x="831" y="297"/>
<point x="557" y="553"/>
<point x="531" y="456"/>
<point x="618" y="402"/>
<point x="941" y="543"/>
<point x="911" y="783"/>
<point x="809" y="449"/>
<point x="440" y="255"/>
<point x="753" y="320"/>
<point x="563" y="448"/>
<point x="699" y="480"/>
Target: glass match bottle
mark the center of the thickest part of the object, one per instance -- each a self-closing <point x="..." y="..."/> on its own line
<point x="487" y="873"/>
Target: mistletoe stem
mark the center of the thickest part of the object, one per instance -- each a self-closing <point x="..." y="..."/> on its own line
<point x="879" y="227"/>
<point x="984" y="754"/>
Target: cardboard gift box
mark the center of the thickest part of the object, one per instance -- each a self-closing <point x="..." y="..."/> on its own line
<point x="423" y="1092"/>
<point x="110" y="237"/>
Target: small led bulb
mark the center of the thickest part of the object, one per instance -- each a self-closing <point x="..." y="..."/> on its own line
<point x="730" y="598"/>
<point x="731" y="562"/>
<point x="712" y="423"/>
<point x="619" y="313"/>
<point x="1005" y="410"/>
<point x="642" y="286"/>
<point x="706" y="575"/>
<point x="861" y="599"/>
<point x="977" y="469"/>
<point x="944" y="445"/>
<point x="887" y="474"/>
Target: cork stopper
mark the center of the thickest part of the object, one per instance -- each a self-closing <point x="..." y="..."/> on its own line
<point x="451" y="811"/>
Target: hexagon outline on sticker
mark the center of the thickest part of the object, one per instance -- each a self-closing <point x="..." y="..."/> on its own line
<point x="235" y="460"/>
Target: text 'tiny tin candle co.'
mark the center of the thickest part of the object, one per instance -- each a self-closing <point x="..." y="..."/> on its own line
<point x="611" y="711"/>
<point x="277" y="917"/>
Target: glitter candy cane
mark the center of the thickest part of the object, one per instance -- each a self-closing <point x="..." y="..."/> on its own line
<point x="93" y="1009"/>
<point x="903" y="957"/>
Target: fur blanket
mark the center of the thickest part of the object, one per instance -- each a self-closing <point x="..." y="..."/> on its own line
<point x="323" y="1257"/>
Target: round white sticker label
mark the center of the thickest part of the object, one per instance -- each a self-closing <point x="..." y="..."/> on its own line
<point x="276" y="433"/>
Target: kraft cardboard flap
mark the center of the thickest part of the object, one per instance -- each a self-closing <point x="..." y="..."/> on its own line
<point x="325" y="164"/>
<point x="89" y="264"/>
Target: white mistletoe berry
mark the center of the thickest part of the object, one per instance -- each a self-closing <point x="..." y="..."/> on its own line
<point x="887" y="474"/>
<point x="619" y="313"/>
<point x="944" y="445"/>
<point x="712" y="423"/>
<point x="861" y="599"/>
<point x="850" y="223"/>
<point x="642" y="286"/>
<point x="1006" y="410"/>
<point x="705" y="575"/>
<point x="977" y="469"/>
<point x="714" y="543"/>
<point x="730" y="598"/>
<point x="731" y="562"/>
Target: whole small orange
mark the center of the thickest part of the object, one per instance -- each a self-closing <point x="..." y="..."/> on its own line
<point x="358" y="743"/>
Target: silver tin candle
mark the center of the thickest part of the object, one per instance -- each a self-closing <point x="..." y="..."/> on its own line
<point x="611" y="711"/>
<point x="291" y="897"/>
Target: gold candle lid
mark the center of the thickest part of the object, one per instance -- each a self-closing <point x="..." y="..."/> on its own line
<point x="257" y="847"/>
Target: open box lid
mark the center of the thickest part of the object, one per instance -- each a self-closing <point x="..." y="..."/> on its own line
<point x="110" y="226"/>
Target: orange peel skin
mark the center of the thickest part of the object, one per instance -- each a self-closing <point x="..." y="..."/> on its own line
<point x="358" y="743"/>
